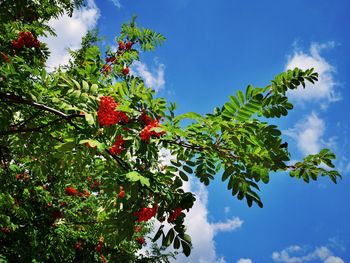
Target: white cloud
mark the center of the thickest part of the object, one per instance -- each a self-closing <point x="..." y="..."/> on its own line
<point x="322" y="253"/>
<point x="228" y="225"/>
<point x="201" y="231"/>
<point x="244" y="260"/>
<point x="199" y="228"/>
<point x="117" y="3"/>
<point x="308" y="134"/>
<point x="334" y="260"/>
<point x="153" y="78"/>
<point x="70" y="31"/>
<point x="325" y="88"/>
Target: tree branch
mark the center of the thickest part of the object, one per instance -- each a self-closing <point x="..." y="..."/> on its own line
<point x="24" y="130"/>
<point x="12" y="98"/>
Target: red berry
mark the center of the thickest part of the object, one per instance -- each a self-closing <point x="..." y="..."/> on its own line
<point x="99" y="247"/>
<point x="111" y="59"/>
<point x="121" y="194"/>
<point x="106" y="69"/>
<point x="128" y="45"/>
<point x="78" y="245"/>
<point x="121" y="45"/>
<point x="137" y="229"/>
<point x="140" y="240"/>
<point x="126" y="71"/>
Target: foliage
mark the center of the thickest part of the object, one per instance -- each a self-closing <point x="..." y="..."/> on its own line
<point x="80" y="169"/>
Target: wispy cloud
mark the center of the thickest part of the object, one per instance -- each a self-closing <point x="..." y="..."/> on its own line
<point x="296" y="254"/>
<point x="153" y="77"/>
<point x="227" y="209"/>
<point x="244" y="260"/>
<point x="325" y="89"/>
<point x="308" y="134"/>
<point x="70" y="31"/>
<point x="116" y="3"/>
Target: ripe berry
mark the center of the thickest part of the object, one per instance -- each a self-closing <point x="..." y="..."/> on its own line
<point x="78" y="245"/>
<point x="121" y="45"/>
<point x="128" y="45"/>
<point x="121" y="192"/>
<point x="111" y="59"/>
<point x="140" y="240"/>
<point x="106" y="69"/>
<point x="126" y="71"/>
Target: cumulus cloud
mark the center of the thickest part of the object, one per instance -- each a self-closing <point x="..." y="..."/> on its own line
<point x="198" y="226"/>
<point x="244" y="260"/>
<point x="308" y="134"/>
<point x="70" y="31"/>
<point x="201" y="230"/>
<point x="153" y="78"/>
<point x="322" y="253"/>
<point x="325" y="89"/>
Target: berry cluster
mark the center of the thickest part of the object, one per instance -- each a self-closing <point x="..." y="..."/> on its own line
<point x="148" y="131"/>
<point x="71" y="191"/>
<point x="25" y="39"/>
<point x="107" y="115"/>
<point x="175" y="214"/>
<point x="118" y="147"/>
<point x="127" y="46"/>
<point x="146" y="213"/>
<point x="111" y="59"/>
<point x="106" y="69"/>
<point x="85" y="193"/>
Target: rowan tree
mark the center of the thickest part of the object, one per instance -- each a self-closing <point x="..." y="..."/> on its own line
<point x="81" y="175"/>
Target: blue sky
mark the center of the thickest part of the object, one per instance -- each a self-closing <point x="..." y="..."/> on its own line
<point x="214" y="48"/>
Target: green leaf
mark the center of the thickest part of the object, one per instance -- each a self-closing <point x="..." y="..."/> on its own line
<point x="176" y="243"/>
<point x="89" y="118"/>
<point x="68" y="146"/>
<point x="187" y="169"/>
<point x="183" y="176"/>
<point x="240" y="96"/>
<point x="186" y="248"/>
<point x="158" y="234"/>
<point x="228" y="171"/>
<point x="85" y="86"/>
